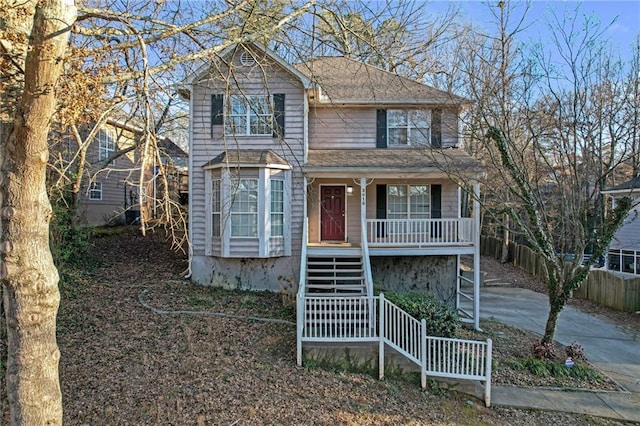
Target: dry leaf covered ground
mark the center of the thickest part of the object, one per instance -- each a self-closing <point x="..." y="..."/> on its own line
<point x="124" y="364"/>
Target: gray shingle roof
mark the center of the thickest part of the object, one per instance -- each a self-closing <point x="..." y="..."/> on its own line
<point x="633" y="183"/>
<point x="247" y="156"/>
<point x="391" y="160"/>
<point x="345" y="80"/>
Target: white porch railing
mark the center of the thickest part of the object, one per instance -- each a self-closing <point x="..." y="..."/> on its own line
<point x="338" y="319"/>
<point x="420" y="232"/>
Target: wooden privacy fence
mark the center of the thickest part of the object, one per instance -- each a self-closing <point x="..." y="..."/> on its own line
<point x="603" y="287"/>
<point x="608" y="289"/>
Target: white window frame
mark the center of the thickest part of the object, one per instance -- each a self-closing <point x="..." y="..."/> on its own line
<point x="276" y="208"/>
<point x="413" y="122"/>
<point x="216" y="208"/>
<point x="106" y="145"/>
<point x="239" y="115"/>
<point x="95" y="191"/>
<point x="220" y="184"/>
<point x="410" y="212"/>
<point x="244" y="208"/>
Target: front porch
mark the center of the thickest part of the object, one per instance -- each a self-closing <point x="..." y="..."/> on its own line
<point x="347" y="238"/>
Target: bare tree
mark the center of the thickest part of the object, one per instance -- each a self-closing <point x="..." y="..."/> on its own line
<point x="550" y="129"/>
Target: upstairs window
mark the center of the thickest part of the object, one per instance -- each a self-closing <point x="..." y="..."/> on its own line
<point x="248" y="115"/>
<point x="408" y="127"/>
<point x="106" y="145"/>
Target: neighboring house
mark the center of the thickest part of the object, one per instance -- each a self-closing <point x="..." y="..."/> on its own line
<point x="624" y="250"/>
<point x="328" y="176"/>
<point x="111" y="194"/>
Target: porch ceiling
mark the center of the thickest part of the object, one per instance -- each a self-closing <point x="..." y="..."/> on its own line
<point x="391" y="161"/>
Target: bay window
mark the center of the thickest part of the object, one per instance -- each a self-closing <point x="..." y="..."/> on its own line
<point x="248" y="211"/>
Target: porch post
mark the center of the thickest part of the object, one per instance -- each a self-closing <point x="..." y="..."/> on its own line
<point x="476" y="256"/>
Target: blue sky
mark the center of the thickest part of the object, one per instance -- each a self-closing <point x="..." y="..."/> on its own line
<point x="625" y="13"/>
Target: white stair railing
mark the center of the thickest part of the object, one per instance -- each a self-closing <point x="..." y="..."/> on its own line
<point x="345" y="319"/>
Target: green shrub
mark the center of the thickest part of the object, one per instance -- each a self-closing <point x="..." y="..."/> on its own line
<point x="442" y="321"/>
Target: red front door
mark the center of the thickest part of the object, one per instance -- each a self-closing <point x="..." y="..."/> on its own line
<point x="332" y="213"/>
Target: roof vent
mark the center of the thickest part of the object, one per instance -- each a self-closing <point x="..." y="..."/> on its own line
<point x="247" y="59"/>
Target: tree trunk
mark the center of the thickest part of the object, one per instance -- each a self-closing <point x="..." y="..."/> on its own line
<point x="29" y="277"/>
<point x="550" y="327"/>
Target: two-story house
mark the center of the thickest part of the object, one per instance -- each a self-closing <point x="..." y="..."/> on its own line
<point x="111" y="167"/>
<point x="329" y="176"/>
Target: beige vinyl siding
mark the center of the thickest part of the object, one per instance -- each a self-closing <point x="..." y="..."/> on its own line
<point x="117" y="179"/>
<point x="204" y="146"/>
<point x="342" y="128"/>
<point x="244" y="247"/>
<point x="338" y="127"/>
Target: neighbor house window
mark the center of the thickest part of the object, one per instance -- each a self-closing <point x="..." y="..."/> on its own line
<point x="408" y="127"/>
<point x="95" y="191"/>
<point x="248" y="115"/>
<point x="244" y="208"/>
<point x="215" y="207"/>
<point x="277" y="208"/>
<point x="106" y="144"/>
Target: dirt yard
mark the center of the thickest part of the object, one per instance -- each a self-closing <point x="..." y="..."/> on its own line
<point x="125" y="364"/>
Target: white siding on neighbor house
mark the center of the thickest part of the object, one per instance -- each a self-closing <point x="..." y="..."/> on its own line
<point x="628" y="236"/>
<point x="205" y="146"/>
<point x="115" y="190"/>
<point x="339" y="127"/>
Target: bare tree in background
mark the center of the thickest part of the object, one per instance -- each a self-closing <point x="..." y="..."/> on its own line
<point x="552" y="132"/>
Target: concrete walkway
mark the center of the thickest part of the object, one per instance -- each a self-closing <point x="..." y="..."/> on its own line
<point x="612" y="349"/>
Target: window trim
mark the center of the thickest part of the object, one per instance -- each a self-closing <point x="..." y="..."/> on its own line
<point x="246" y="101"/>
<point x="236" y="202"/>
<point x="408" y="201"/>
<point x="281" y="205"/>
<point x="95" y="187"/>
<point x="409" y="126"/>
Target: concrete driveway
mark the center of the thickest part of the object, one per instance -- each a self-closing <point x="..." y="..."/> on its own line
<point x="613" y="349"/>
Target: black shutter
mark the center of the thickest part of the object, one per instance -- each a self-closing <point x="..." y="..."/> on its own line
<point x="278" y="115"/>
<point x="381" y="128"/>
<point x="436" y="128"/>
<point x="217" y="111"/>
<point x="436" y="209"/>
<point x="381" y="208"/>
<point x="436" y="201"/>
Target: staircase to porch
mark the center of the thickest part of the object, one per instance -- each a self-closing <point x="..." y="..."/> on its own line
<point x="335" y="275"/>
<point x="335" y="279"/>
